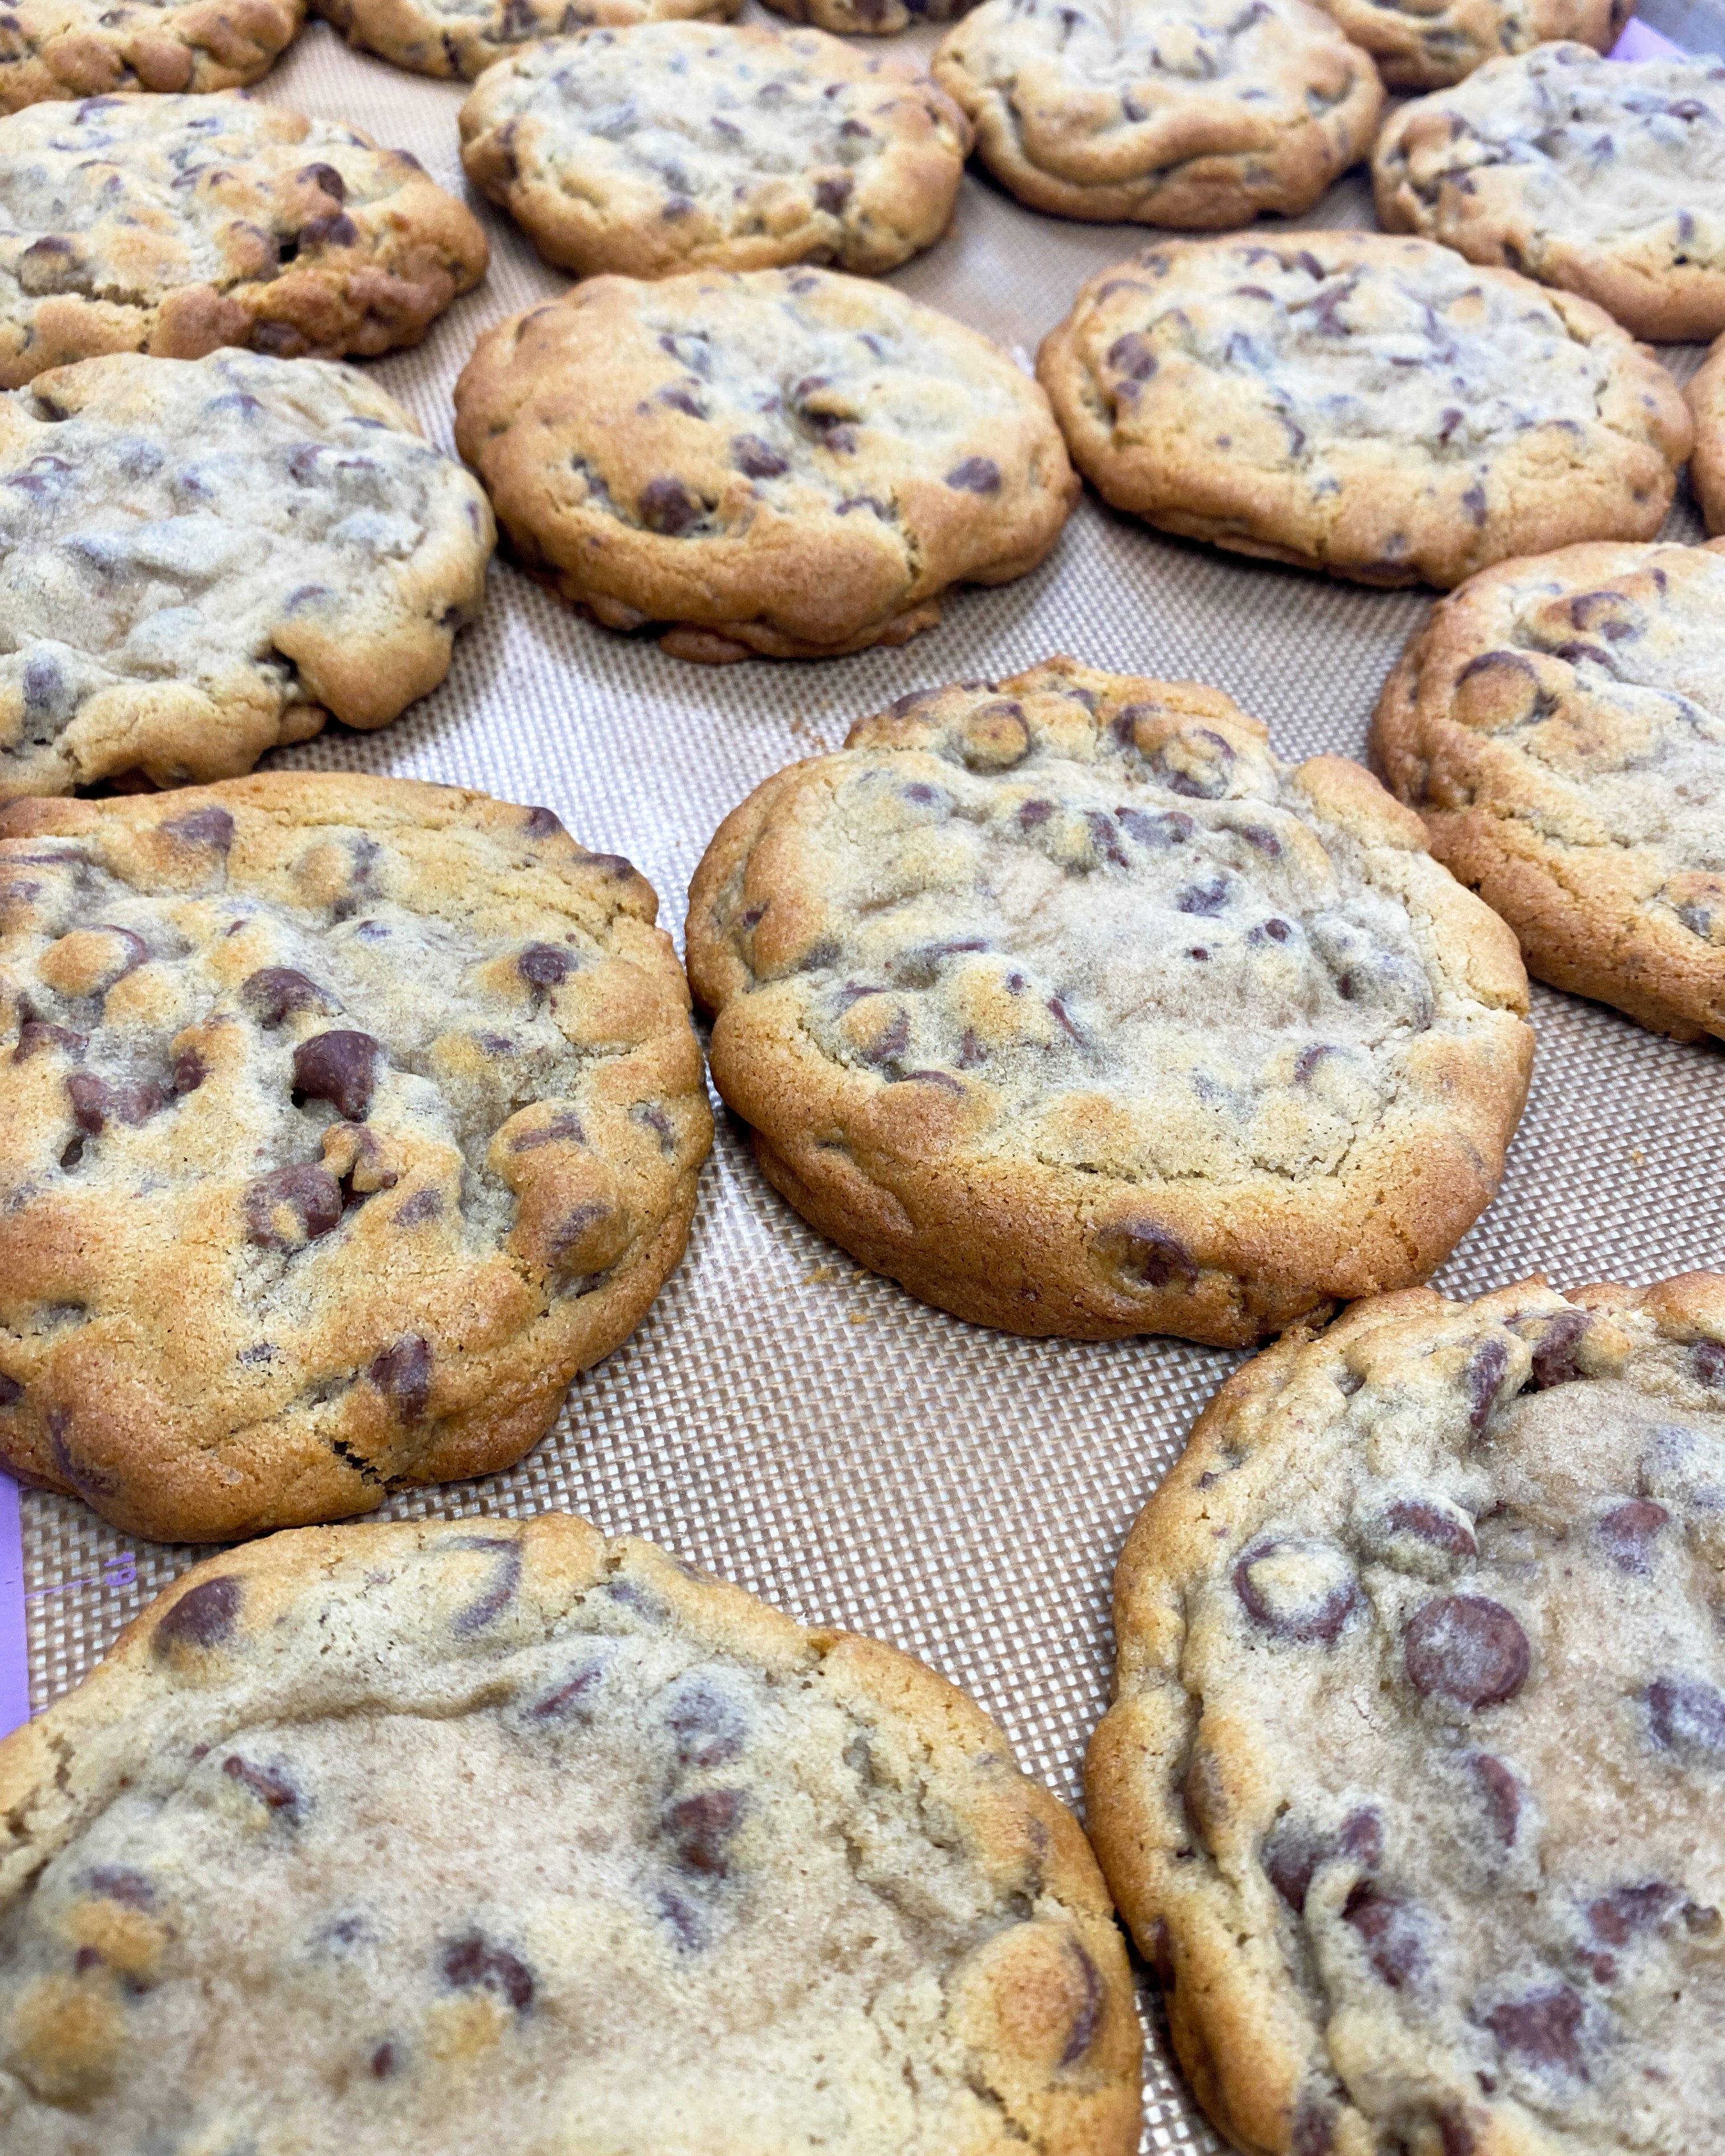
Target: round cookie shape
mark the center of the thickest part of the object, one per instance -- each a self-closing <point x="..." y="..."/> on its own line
<point x="464" y="37"/>
<point x="201" y="559"/>
<point x="1605" y="177"/>
<point x="80" y="49"/>
<point x="544" y="1841"/>
<point x="346" y="1120"/>
<point x="1560" y="724"/>
<point x="1448" y="1874"/>
<point x="1065" y="1004"/>
<point x="786" y="462"/>
<point x="1197" y="113"/>
<point x="1375" y="408"/>
<point x="1705" y="396"/>
<point x="1428" y="44"/>
<point x="173" y="225"/>
<point x="681" y="146"/>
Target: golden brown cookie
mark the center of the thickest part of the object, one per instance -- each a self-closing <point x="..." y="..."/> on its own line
<point x="1706" y="403"/>
<point x="1425" y="44"/>
<point x="1559" y="723"/>
<point x="344" y="1120"/>
<point x="494" y="1833"/>
<point x="1065" y="1003"/>
<point x="1414" y="1787"/>
<point x="201" y="559"/>
<point x="684" y="146"/>
<point x="173" y="225"/>
<point x="65" y="49"/>
<point x="1198" y="113"/>
<point x="869" y="18"/>
<point x="465" y="36"/>
<point x="1605" y="177"/>
<point x="784" y="462"/>
<point x="1376" y="408"/>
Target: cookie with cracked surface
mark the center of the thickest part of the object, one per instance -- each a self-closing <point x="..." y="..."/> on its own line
<point x="786" y="462"/>
<point x="1706" y="403"/>
<point x="1428" y="44"/>
<point x="1560" y="724"/>
<point x="1201" y="113"/>
<point x="1414" y="1783"/>
<point x="69" y="48"/>
<point x="174" y="225"/>
<point x="1068" y="1005"/>
<point x="1606" y="177"/>
<point x="544" y="1841"/>
<point x="684" y="145"/>
<point x="201" y="559"/>
<point x="1375" y="408"/>
<point x="345" y="1119"/>
<point x="464" y="37"/>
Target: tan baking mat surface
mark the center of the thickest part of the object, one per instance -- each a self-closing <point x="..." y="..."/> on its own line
<point x="795" y="1423"/>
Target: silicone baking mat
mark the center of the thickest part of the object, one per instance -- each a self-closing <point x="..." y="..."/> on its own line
<point x="784" y="1417"/>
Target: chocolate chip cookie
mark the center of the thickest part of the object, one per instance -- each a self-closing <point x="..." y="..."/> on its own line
<point x="200" y="559"/>
<point x="1707" y="403"/>
<point x="174" y="225"/>
<point x="869" y="17"/>
<point x="465" y="36"/>
<point x="783" y="461"/>
<point x="1426" y="44"/>
<point x="345" y="1119"/>
<point x="1376" y="408"/>
<point x="65" y="49"/>
<point x="1413" y="1788"/>
<point x="1200" y="113"/>
<point x="1067" y="1004"/>
<point x="682" y="146"/>
<point x="1606" y="177"/>
<point x="1559" y="723"/>
<point x="543" y="1841"/>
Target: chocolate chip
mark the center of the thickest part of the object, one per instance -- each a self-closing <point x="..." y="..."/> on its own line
<point x="1707" y="1359"/>
<point x="340" y="1067"/>
<point x="1543" y="2028"/>
<point x="423" y="1206"/>
<point x="1088" y="2019"/>
<point x="1617" y="1916"/>
<point x="188" y="1072"/>
<point x="707" y="1725"/>
<point x="542" y="823"/>
<point x="684" y="1919"/>
<point x="1687" y="1715"/>
<point x="118" y="1882"/>
<point x="1628" y="1531"/>
<point x="1500" y="1792"/>
<point x="1390" y="1932"/>
<point x="203" y="1617"/>
<point x="565" y="1698"/>
<point x="326" y="179"/>
<point x="667" y="506"/>
<point x="1173" y="827"/>
<point x="1293" y="1854"/>
<point x="1442" y="1525"/>
<point x="1203" y="898"/>
<point x="96" y="1102"/>
<point x="475" y="1963"/>
<point x="1301" y="1591"/>
<point x="701" y="1827"/>
<point x="563" y="1128"/>
<point x="204" y="827"/>
<point x="543" y="966"/>
<point x="403" y="1374"/>
<point x="309" y="1196"/>
<point x="1467" y="1649"/>
<point x="1132" y="355"/>
<point x="1555" y="1359"/>
<point x="1147" y="1255"/>
<point x="275" y="992"/>
<point x="975" y="476"/>
<point x="383" y="2061"/>
<point x="269" y="1785"/>
<point x="832" y="190"/>
<point x="1481" y="1379"/>
<point x="503" y="1549"/>
<point x="35" y="1037"/>
<point x="337" y="231"/>
<point x="756" y="459"/>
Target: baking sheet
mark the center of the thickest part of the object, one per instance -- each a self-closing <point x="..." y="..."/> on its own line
<point x="792" y="1421"/>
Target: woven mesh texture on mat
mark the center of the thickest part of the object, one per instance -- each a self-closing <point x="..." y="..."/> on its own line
<point x="794" y="1423"/>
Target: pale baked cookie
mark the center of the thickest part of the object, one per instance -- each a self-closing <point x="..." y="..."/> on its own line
<point x="1376" y="408"/>
<point x="683" y="145"/>
<point x="63" y="49"/>
<point x="1707" y="403"/>
<point x="1425" y="44"/>
<point x="543" y="1842"/>
<point x="465" y="36"/>
<point x="1068" y="1005"/>
<point x="1187" y="112"/>
<point x="869" y="17"/>
<point x="788" y="462"/>
<point x="1560" y="724"/>
<point x="345" y="1120"/>
<point x="200" y="559"/>
<point x="1606" y="177"/>
<point x="174" y="225"/>
<point x="1414" y="1787"/>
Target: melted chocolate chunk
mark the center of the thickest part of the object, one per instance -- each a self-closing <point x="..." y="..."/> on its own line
<point x="975" y="476"/>
<point x="668" y="507"/>
<point x="1555" y="1358"/>
<point x="475" y="1963"/>
<point x="1294" y="1854"/>
<point x="708" y="1726"/>
<point x="36" y="1037"/>
<point x="1301" y="1591"/>
<point x="340" y="1067"/>
<point x="1390" y="1930"/>
<point x="1616" y="1918"/>
<point x="312" y="1198"/>
<point x="204" y="827"/>
<point x="275" y="992"/>
<point x="118" y="1882"/>
<point x="1543" y="2029"/>
<point x="507" y="1578"/>
<point x="1087" y="2021"/>
<point x="269" y="1785"/>
<point x="204" y="1617"/>
<point x="700" y="1829"/>
<point x="1481" y="1378"/>
<point x="1687" y="1714"/>
<point x="1147" y="1255"/>
<point x="1628" y="1532"/>
<point x="1500" y="1793"/>
<point x="542" y="966"/>
<point x="96" y="1102"/>
<point x="564" y="1700"/>
<point x="403" y="1373"/>
<point x="1467" y="1649"/>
